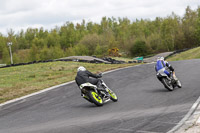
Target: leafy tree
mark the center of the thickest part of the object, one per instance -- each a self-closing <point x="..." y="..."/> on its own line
<point x="2" y="45"/>
<point x="154" y="41"/>
<point x="21" y="56"/>
<point x="5" y="56"/>
<point x="189" y="21"/>
<point x="39" y="42"/>
<point x="56" y="52"/>
<point x="67" y="35"/>
<point x="90" y="42"/>
<point x="99" y="51"/>
<point x="70" y="52"/>
<point x="80" y="50"/>
<point x="45" y="53"/>
<point x="139" y="48"/>
<point x="53" y="39"/>
<point x="81" y="30"/>
<point x="21" y="40"/>
<point x="34" y="53"/>
<point x="30" y="35"/>
<point x="93" y="28"/>
<point x="16" y="58"/>
<point x="167" y="35"/>
<point x="197" y="31"/>
<point x="42" y="33"/>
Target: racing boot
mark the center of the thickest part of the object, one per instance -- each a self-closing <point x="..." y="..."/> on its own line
<point x="102" y="86"/>
<point x="174" y="77"/>
<point x="107" y="95"/>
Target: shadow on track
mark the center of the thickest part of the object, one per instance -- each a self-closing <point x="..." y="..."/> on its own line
<point x="158" y="90"/>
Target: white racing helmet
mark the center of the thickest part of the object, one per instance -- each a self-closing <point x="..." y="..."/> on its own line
<point x="160" y="58"/>
<point x="81" y="68"/>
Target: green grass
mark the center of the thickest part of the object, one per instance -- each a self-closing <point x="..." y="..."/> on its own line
<point x="123" y="59"/>
<point x="187" y="55"/>
<point x="22" y="80"/>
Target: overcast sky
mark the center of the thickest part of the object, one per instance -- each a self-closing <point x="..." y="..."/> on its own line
<point x="21" y="14"/>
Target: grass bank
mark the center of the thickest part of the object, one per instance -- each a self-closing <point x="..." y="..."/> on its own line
<point x="22" y="80"/>
<point x="187" y="55"/>
<point x="123" y="59"/>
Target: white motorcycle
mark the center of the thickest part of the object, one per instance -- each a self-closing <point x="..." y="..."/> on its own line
<point x="168" y="81"/>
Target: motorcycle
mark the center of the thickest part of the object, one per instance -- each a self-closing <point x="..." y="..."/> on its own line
<point x="168" y="81"/>
<point x="97" y="95"/>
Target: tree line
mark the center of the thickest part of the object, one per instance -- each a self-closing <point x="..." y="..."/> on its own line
<point x="133" y="38"/>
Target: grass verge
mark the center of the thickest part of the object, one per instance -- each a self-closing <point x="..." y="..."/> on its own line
<point x="22" y="80"/>
<point x="187" y="55"/>
<point x="123" y="59"/>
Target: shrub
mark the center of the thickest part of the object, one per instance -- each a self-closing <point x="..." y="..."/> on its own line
<point x="139" y="48"/>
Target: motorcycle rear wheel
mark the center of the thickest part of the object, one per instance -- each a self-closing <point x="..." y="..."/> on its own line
<point x="167" y="84"/>
<point x="95" y="98"/>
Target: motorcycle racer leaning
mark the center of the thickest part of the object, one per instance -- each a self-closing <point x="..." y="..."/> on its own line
<point x="161" y="65"/>
<point x="84" y="76"/>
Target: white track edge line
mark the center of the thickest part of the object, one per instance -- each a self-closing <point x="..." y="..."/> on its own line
<point x="186" y="117"/>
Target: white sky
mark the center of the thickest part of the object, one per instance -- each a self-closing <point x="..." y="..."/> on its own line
<point x="21" y="14"/>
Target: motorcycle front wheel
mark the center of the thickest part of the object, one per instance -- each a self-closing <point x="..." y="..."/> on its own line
<point x="179" y="84"/>
<point x="167" y="85"/>
<point x="113" y="96"/>
<point x="95" y="98"/>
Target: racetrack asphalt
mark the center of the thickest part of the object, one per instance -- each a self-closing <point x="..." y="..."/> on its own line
<point x="144" y="105"/>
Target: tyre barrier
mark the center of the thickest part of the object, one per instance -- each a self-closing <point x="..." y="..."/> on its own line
<point x="33" y="62"/>
<point x="113" y="61"/>
<point x="110" y="61"/>
<point x="132" y="61"/>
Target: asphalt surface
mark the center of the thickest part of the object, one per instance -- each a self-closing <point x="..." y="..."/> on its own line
<point x="144" y="105"/>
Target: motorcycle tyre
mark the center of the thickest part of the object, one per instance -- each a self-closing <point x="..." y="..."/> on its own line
<point x="95" y="98"/>
<point x="179" y="84"/>
<point x="113" y="96"/>
<point x="170" y="88"/>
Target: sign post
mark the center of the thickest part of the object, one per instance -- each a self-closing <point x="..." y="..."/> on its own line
<point x="9" y="45"/>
